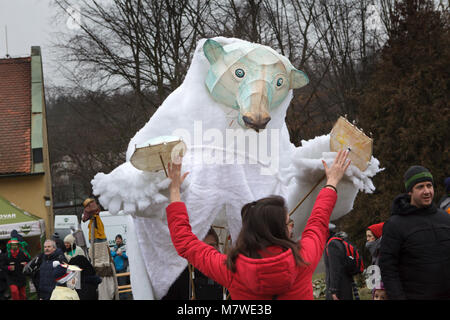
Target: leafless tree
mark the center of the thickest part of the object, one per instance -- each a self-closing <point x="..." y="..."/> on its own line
<point x="142" y="45"/>
<point x="141" y="50"/>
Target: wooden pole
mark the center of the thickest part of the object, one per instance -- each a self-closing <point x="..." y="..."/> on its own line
<point x="191" y="280"/>
<point x="92" y="242"/>
<point x="164" y="167"/>
<point x="304" y="198"/>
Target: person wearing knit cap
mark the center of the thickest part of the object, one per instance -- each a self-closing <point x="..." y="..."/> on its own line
<point x="373" y="237"/>
<point x="374" y="231"/>
<point x="415" y="246"/>
<point x="72" y="249"/>
<point x="23" y="245"/>
<point x="65" y="278"/>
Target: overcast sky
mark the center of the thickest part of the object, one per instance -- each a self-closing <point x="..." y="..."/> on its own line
<point x="30" y="23"/>
<point x="35" y="23"/>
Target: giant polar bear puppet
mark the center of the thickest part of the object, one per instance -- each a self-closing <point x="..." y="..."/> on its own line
<point x="234" y="91"/>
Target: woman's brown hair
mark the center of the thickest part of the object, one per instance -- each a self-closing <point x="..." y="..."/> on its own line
<point x="263" y="225"/>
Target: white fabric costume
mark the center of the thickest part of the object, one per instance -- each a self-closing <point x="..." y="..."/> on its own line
<point x="213" y="192"/>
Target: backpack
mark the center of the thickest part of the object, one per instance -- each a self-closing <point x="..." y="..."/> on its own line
<point x="33" y="266"/>
<point x="353" y="262"/>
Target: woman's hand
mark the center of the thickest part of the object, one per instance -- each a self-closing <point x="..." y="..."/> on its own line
<point x="177" y="179"/>
<point x="336" y="171"/>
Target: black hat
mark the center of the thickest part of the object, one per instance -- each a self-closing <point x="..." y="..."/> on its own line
<point x="416" y="174"/>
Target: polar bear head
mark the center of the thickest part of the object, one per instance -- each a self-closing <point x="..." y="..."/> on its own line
<point x="250" y="77"/>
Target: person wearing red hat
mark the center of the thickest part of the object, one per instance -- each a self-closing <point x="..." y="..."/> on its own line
<point x="373" y="235"/>
<point x="374" y="232"/>
<point x="17" y="259"/>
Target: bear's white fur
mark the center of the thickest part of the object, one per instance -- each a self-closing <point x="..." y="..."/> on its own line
<point x="212" y="192"/>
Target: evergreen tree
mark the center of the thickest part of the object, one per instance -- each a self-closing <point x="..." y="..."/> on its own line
<point x="406" y="108"/>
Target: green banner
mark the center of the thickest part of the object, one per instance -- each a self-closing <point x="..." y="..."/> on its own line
<point x="12" y="217"/>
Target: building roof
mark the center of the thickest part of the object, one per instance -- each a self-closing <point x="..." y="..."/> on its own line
<point x="15" y="116"/>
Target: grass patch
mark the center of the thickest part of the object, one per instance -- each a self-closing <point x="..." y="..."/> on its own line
<point x="319" y="288"/>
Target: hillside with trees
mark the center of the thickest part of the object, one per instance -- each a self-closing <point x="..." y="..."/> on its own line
<point x="406" y="106"/>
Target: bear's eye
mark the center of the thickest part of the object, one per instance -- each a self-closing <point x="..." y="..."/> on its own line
<point x="279" y="82"/>
<point x="239" y="73"/>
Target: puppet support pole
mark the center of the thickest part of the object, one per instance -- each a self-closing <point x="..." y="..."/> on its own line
<point x="304" y="198"/>
<point x="164" y="167"/>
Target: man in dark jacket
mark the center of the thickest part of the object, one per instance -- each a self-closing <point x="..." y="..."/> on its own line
<point x="415" y="247"/>
<point x="46" y="279"/>
<point x="338" y="280"/>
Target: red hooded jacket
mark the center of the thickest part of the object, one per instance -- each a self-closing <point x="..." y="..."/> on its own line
<point x="258" y="279"/>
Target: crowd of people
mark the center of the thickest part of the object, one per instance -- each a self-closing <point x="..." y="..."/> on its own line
<point x="410" y="252"/>
<point x="63" y="271"/>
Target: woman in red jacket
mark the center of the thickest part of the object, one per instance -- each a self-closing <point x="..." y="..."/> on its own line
<point x="264" y="263"/>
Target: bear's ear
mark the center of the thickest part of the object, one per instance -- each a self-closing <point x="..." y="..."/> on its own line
<point x="298" y="79"/>
<point x="213" y="51"/>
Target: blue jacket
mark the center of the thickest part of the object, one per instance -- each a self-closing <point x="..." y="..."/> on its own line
<point x="121" y="262"/>
<point x="46" y="279"/>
